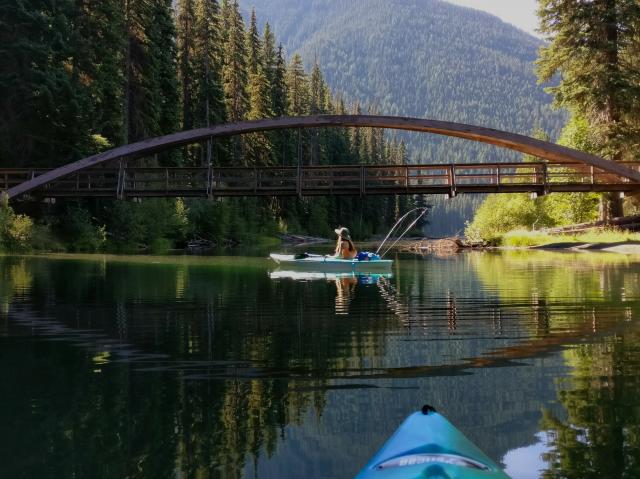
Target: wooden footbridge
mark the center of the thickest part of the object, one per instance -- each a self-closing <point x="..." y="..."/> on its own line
<point x="561" y="169"/>
<point x="539" y="178"/>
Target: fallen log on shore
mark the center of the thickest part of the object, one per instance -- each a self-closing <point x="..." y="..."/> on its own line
<point x="439" y="246"/>
<point x="629" y="223"/>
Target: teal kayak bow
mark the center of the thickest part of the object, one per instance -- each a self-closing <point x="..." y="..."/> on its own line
<point x="426" y="445"/>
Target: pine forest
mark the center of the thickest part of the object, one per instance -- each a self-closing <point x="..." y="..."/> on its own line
<point x="83" y="77"/>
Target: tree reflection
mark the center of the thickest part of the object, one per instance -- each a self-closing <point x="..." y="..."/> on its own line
<point x="223" y="396"/>
<point x="198" y="370"/>
<point x="600" y="437"/>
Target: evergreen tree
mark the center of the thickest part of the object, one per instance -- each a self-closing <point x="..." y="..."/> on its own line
<point x="162" y="48"/>
<point x="186" y="21"/>
<point x="208" y="64"/>
<point x="44" y="118"/>
<point x="225" y="15"/>
<point x="234" y="71"/>
<point x="279" y="94"/>
<point x="274" y="75"/>
<point x="589" y="45"/>
<point x="151" y="100"/>
<point x="318" y="90"/>
<point x="200" y="51"/>
<point x="141" y="111"/>
<point x="99" y="46"/>
<point x="254" y="47"/>
<point x="269" y="57"/>
<point x="356" y="137"/>
<point x="259" y="148"/>
<point x="209" y="101"/>
<point x="317" y="101"/>
<point x="297" y="88"/>
<point x="258" y="145"/>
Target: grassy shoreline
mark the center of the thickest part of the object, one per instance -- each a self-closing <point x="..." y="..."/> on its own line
<point x="595" y="239"/>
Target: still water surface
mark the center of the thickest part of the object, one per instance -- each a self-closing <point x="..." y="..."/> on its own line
<point x="157" y="367"/>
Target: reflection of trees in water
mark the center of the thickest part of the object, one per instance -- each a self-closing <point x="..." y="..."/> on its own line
<point x="562" y="292"/>
<point x="600" y="436"/>
<point x="197" y="411"/>
<point x="247" y="358"/>
<point x="76" y="420"/>
<point x="15" y="281"/>
<point x="583" y="297"/>
<point x="556" y="276"/>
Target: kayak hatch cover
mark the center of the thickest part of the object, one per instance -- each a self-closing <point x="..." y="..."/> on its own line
<point x="427" y="445"/>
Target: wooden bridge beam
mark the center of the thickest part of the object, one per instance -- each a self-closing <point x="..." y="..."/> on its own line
<point x="538" y="148"/>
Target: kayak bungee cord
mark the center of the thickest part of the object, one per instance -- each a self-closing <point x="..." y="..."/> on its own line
<point x="423" y="210"/>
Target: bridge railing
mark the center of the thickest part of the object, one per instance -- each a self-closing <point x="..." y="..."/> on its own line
<point x="324" y="180"/>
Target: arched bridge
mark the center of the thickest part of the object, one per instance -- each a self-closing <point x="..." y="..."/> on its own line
<point x="563" y="169"/>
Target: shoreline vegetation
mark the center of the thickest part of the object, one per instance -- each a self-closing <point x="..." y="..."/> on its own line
<point x="608" y="240"/>
<point x="597" y="83"/>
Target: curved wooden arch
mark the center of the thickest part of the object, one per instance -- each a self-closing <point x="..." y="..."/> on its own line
<point x="524" y="144"/>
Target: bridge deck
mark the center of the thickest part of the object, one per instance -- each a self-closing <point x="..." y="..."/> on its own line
<point x="362" y="180"/>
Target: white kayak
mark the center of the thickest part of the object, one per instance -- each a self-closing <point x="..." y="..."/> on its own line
<point x="332" y="264"/>
<point x="301" y="275"/>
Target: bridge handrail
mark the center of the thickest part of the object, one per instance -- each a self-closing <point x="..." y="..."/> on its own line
<point x="541" y="149"/>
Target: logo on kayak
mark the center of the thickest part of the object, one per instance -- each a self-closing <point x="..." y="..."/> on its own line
<point x="420" y="459"/>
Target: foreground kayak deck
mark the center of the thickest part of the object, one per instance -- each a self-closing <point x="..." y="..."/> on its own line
<point x="330" y="264"/>
<point x="426" y="445"/>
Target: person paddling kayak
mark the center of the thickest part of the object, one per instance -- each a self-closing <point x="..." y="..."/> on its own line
<point x="345" y="249"/>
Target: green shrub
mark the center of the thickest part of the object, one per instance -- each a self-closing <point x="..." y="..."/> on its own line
<point x="81" y="232"/>
<point x="42" y="239"/>
<point x="15" y="230"/>
<point x="160" y="246"/>
<point x="501" y="213"/>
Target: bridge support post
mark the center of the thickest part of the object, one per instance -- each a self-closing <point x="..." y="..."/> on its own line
<point x="122" y="171"/>
<point x="452" y="181"/>
<point x="255" y="180"/>
<point x="545" y="180"/>
<point x="363" y="183"/>
<point x="210" y="182"/>
<point x="166" y="181"/>
<point x="406" y="179"/>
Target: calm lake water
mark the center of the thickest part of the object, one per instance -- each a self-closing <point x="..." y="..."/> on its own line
<point x="158" y="367"/>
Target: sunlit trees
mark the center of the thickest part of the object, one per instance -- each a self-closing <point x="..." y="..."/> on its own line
<point x="591" y="46"/>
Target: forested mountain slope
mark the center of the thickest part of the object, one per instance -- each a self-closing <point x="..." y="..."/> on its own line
<point x="423" y="58"/>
